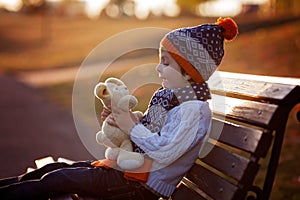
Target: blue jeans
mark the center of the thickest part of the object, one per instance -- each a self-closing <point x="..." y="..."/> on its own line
<point x="80" y="178"/>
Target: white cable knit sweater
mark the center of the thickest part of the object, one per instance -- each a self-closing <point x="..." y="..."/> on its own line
<point x="178" y="145"/>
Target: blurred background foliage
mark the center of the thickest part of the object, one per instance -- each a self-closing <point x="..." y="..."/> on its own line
<point x="171" y="8"/>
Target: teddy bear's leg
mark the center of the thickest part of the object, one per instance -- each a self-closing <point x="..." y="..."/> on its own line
<point x="127" y="159"/>
<point x="126" y="145"/>
<point x="112" y="153"/>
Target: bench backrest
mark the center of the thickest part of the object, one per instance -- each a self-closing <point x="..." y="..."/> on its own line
<point x="250" y="115"/>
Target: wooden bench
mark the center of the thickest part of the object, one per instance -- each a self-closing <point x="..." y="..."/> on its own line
<point x="250" y="116"/>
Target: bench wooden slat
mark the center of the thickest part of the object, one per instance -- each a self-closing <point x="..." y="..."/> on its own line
<point x="256" y="113"/>
<point x="185" y="192"/>
<point x="258" y="88"/>
<point x="252" y="140"/>
<point x="229" y="163"/>
<point x="213" y="185"/>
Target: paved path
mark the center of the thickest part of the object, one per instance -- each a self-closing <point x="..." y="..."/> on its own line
<point x="32" y="127"/>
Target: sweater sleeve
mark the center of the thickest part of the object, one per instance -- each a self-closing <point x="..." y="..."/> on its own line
<point x="186" y="124"/>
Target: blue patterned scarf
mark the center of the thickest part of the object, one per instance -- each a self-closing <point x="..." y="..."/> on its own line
<point x="164" y="100"/>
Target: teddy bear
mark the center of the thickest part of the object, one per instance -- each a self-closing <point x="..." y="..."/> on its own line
<point x="119" y="146"/>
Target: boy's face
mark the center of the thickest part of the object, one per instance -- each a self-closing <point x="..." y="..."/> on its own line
<point x="170" y="72"/>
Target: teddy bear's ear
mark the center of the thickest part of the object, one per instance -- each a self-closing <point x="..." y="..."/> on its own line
<point x="101" y="91"/>
<point x="113" y="80"/>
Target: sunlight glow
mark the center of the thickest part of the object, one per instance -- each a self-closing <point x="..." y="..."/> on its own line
<point x="254" y="1"/>
<point x="128" y="8"/>
<point x="112" y="10"/>
<point x="142" y="9"/>
<point x="220" y="8"/>
<point x="11" y="5"/>
<point x="157" y="7"/>
<point x="93" y="8"/>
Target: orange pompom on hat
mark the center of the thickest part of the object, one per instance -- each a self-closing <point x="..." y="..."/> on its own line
<point x="199" y="49"/>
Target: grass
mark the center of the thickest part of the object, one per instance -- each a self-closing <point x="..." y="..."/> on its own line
<point x="31" y="43"/>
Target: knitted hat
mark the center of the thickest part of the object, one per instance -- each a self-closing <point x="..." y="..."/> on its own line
<point x="199" y="49"/>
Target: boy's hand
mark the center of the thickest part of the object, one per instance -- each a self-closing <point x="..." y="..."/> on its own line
<point x="111" y="120"/>
<point x="124" y="120"/>
<point x="105" y="112"/>
<point x="106" y="115"/>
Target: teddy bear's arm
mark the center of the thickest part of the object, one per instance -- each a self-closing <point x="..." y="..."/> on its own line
<point x="127" y="102"/>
